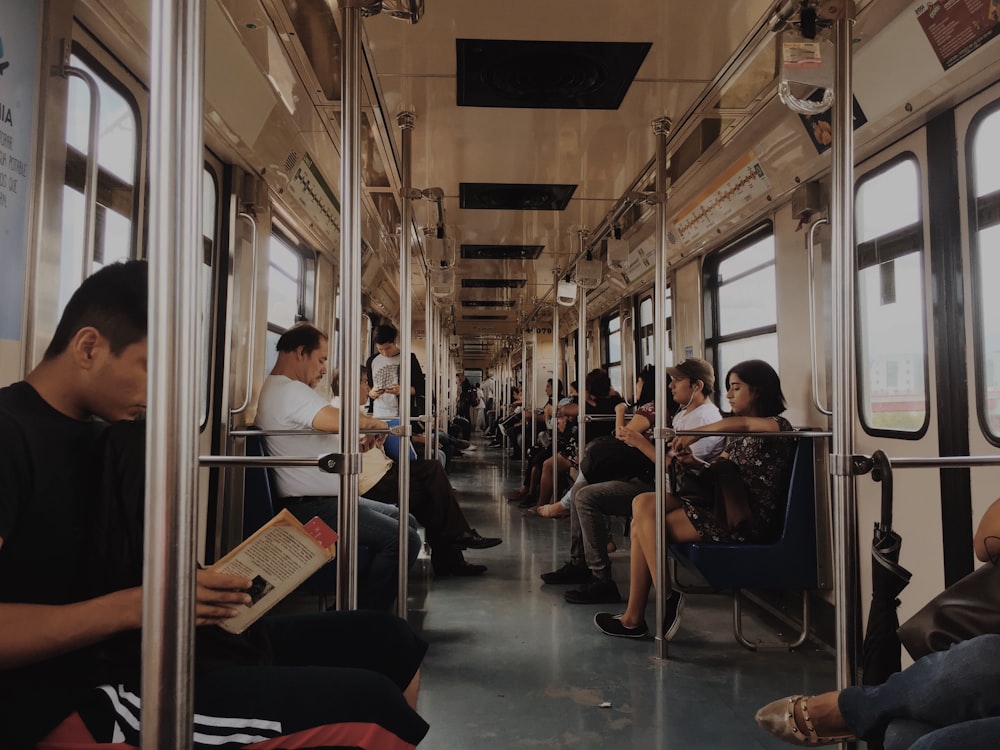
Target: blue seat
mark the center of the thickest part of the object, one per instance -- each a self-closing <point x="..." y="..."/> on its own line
<point x="788" y="563"/>
<point x="259" y="493"/>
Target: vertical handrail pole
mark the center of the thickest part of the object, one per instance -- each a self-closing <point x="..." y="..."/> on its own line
<point x="814" y="355"/>
<point x="93" y="155"/>
<point x="841" y="465"/>
<point x="556" y="362"/>
<point x="430" y="397"/>
<point x="525" y="414"/>
<point x="175" y="187"/>
<point x="253" y="313"/>
<point x="581" y="360"/>
<point x="350" y="295"/>
<point x="661" y="129"/>
<point x="405" y="121"/>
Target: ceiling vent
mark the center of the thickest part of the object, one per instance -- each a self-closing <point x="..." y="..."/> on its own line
<point x="546" y="75"/>
<point x="484" y="317"/>
<point x="493" y="283"/>
<point x="501" y="252"/>
<point x="500" y="196"/>
<point x="488" y="303"/>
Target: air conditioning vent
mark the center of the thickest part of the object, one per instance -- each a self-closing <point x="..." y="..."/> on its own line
<point x="502" y="252"/>
<point x="498" y="196"/>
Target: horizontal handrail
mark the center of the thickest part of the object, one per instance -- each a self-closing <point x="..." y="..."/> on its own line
<point x="259" y="461"/>
<point x="943" y="462"/>
<point x="397" y="431"/>
<point x="784" y="433"/>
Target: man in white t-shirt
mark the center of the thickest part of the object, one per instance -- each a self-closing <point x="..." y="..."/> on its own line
<point x="288" y="402"/>
<point x="383" y="375"/>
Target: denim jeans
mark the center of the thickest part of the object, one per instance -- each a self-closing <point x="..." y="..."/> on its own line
<point x="945" y="700"/>
<point x="378" y="530"/>
<point x="589" y="507"/>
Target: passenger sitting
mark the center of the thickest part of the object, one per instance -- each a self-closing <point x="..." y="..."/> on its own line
<point x="541" y="451"/>
<point x="748" y="482"/>
<point x="288" y="402"/>
<point x="691" y="387"/>
<point x="69" y="628"/>
<point x="948" y="699"/>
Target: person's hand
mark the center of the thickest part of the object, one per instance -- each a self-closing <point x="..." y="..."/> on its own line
<point x="375" y="393"/>
<point x="629" y="436"/>
<point x="393" y="389"/>
<point x="218" y="596"/>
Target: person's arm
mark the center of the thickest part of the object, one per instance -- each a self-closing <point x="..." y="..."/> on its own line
<point x="681" y="445"/>
<point x="637" y="440"/>
<point x="30" y="633"/>
<point x="989" y="527"/>
<point x="327" y="419"/>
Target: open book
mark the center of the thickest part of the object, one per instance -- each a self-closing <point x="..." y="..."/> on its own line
<point x="277" y="557"/>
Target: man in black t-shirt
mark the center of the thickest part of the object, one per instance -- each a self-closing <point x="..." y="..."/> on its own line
<point x="69" y="660"/>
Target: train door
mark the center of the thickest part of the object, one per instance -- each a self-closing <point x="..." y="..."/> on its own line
<point x="917" y="360"/>
<point x="977" y="126"/>
<point x="92" y="177"/>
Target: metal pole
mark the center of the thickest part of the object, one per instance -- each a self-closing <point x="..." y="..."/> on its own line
<point x="430" y="425"/>
<point x="842" y="234"/>
<point x="661" y="129"/>
<point x="175" y="178"/>
<point x="405" y="121"/>
<point x="350" y="295"/>
<point x="525" y="414"/>
<point x="556" y="361"/>
<point x="581" y="360"/>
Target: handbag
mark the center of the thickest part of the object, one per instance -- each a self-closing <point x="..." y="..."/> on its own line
<point x="967" y="608"/>
<point x="719" y="487"/>
<point x="606" y="459"/>
<point x="374" y="465"/>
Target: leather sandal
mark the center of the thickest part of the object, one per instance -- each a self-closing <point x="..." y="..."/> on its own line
<point x="778" y="718"/>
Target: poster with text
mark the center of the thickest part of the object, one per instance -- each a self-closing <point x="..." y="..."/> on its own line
<point x="19" y="50"/>
<point x="957" y="28"/>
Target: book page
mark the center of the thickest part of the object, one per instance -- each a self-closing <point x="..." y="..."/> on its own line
<point x="278" y="557"/>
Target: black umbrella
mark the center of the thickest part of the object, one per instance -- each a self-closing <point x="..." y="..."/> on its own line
<point x="880" y="653"/>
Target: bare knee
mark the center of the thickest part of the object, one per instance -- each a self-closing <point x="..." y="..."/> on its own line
<point x="410" y="693"/>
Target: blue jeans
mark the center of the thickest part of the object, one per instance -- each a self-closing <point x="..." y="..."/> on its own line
<point x="378" y="530"/>
<point x="944" y="701"/>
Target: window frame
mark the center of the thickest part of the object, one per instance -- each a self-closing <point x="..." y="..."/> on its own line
<point x="894" y="245"/>
<point x="979" y="208"/>
<point x="714" y="339"/>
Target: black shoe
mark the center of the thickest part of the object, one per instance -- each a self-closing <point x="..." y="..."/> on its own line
<point x="672" y="617"/>
<point x="595" y="592"/>
<point x="568" y="573"/>
<point x="610" y="624"/>
<point x="452" y="563"/>
<point x="472" y="539"/>
<point x="528" y="502"/>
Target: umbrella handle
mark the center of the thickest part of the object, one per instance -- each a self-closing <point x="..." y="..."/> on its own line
<point x="882" y="473"/>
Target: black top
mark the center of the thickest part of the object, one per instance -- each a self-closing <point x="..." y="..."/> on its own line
<point x="48" y="468"/>
<point x="602" y="406"/>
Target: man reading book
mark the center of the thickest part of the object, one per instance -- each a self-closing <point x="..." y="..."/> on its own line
<point x="69" y="662"/>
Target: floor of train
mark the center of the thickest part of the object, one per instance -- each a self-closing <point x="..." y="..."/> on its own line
<point x="512" y="665"/>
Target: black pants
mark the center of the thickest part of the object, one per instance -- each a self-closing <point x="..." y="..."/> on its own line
<point x="433" y="501"/>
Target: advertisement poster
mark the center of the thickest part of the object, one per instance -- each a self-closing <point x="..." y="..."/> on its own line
<point x="19" y="50"/>
<point x="819" y="126"/>
<point x="957" y="28"/>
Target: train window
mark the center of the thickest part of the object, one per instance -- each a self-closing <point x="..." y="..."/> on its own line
<point x="984" y="155"/>
<point x="740" y="282"/>
<point x="646" y="332"/>
<point x="612" y="336"/>
<point x="117" y="165"/>
<point x="284" y="284"/>
<point x="892" y="356"/>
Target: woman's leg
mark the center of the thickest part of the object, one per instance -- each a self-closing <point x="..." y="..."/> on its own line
<point x="545" y="486"/>
<point x="642" y="562"/>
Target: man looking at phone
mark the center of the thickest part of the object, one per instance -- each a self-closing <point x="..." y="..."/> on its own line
<point x="383" y="375"/>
